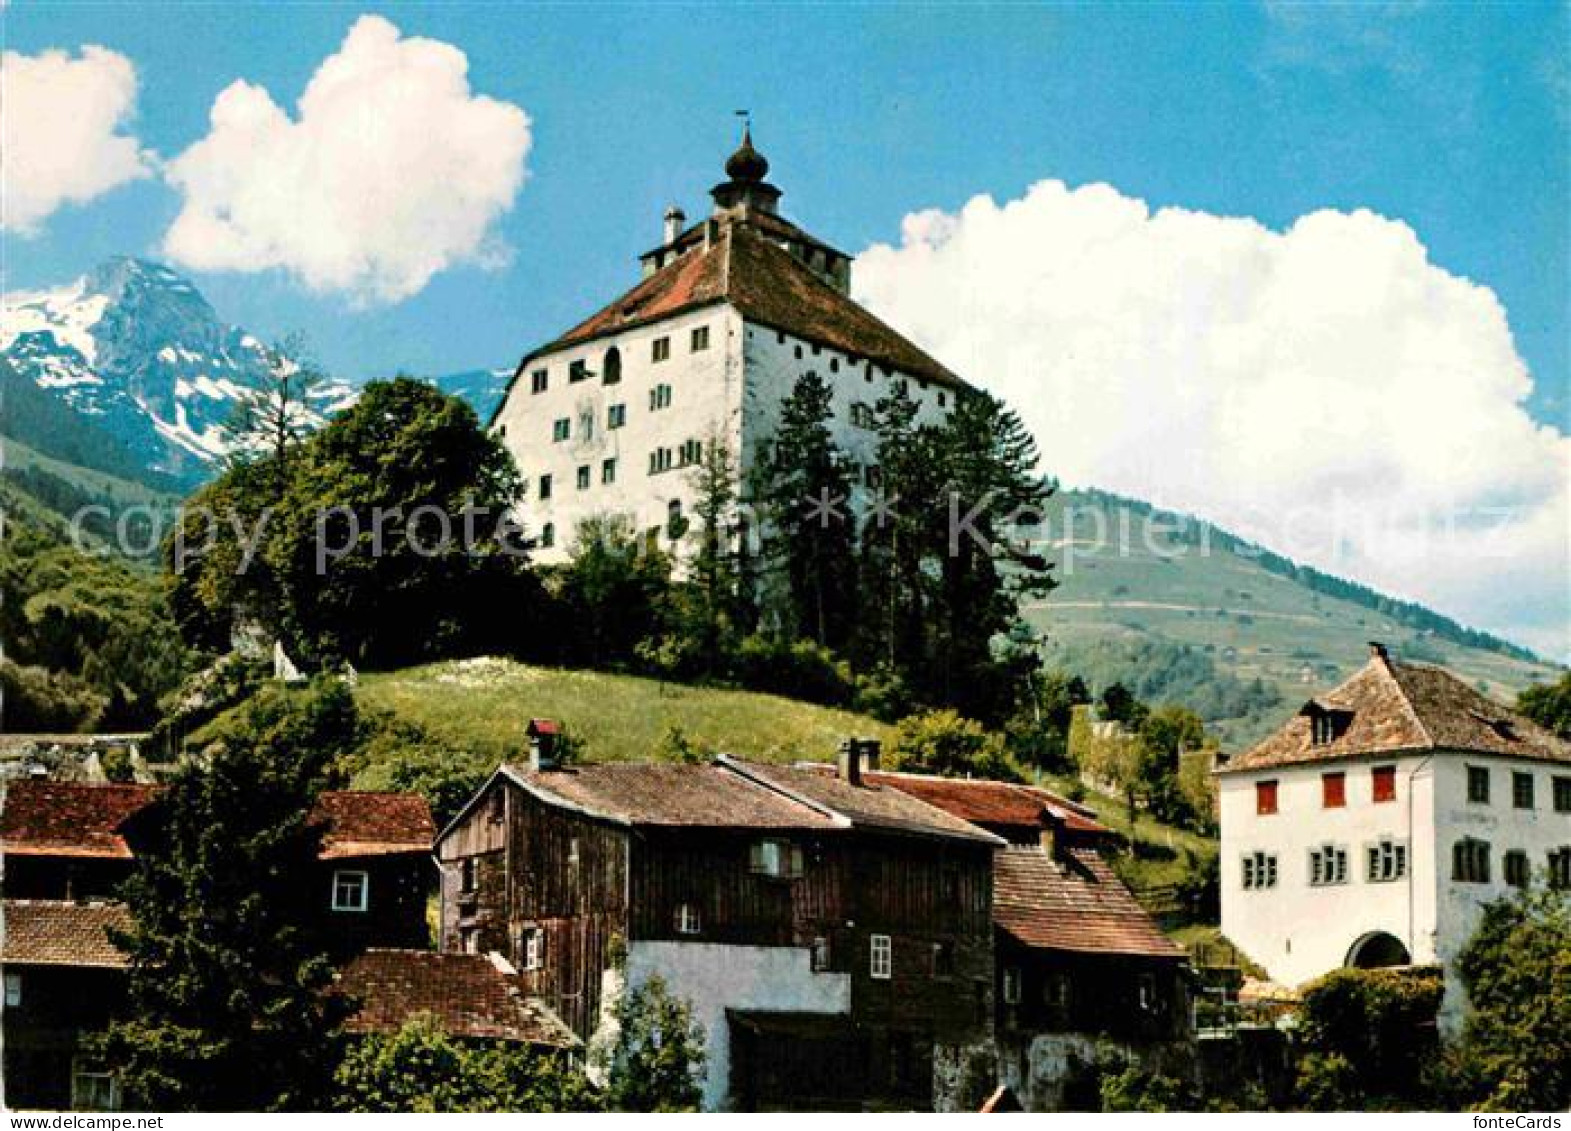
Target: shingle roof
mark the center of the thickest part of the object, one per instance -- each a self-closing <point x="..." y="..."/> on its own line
<point x="374" y="824"/>
<point x="668" y="794"/>
<point x="994" y="804"/>
<point x="44" y="932"/>
<point x="767" y="285"/>
<point x="52" y="818"/>
<point x="870" y="805"/>
<point x="82" y="819"/>
<point x="1394" y="707"/>
<point x="469" y="995"/>
<point x="1081" y="906"/>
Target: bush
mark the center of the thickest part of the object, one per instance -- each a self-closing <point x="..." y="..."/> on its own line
<point x="799" y="670"/>
<point x="941" y="742"/>
<point x="1379" y="1023"/>
<point x="1135" y="1089"/>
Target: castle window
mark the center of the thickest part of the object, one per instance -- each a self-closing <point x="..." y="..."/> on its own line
<point x="351" y="891"/>
<point x="700" y="338"/>
<point x="880" y="957"/>
<point x="1478" y="785"/>
<point x="799" y="353"/>
<point x="578" y="371"/>
<point x="561" y="429"/>
<point x="548" y="535"/>
<point x="1265" y="798"/>
<point x="659" y="398"/>
<point x="1387" y="861"/>
<point x="1514" y="865"/>
<point x="545" y="487"/>
<point x="1333" y="790"/>
<point x="1259" y="871"/>
<point x="659" y="460"/>
<point x="862" y="416"/>
<point x="583" y="477"/>
<point x="1522" y="791"/>
<point x="688" y="920"/>
<point x="608" y="471"/>
<point x="942" y="400"/>
<point x="660" y="349"/>
<point x="539" y="381"/>
<point x="615" y="417"/>
<point x="1327" y="865"/>
<point x="1563" y="795"/>
<point x="1470" y="861"/>
<point x="613" y="367"/>
<point x="834" y="365"/>
<point x="1383" y="783"/>
<point x="1560" y="869"/>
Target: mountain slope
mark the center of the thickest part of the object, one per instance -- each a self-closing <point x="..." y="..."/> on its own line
<point x="1196" y="615"/>
<point x="136" y="351"/>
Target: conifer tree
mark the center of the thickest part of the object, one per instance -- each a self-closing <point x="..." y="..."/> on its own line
<point x="717" y="596"/>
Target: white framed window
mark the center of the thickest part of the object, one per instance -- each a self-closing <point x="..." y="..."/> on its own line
<point x="1259" y="871"/>
<point x="533" y="950"/>
<point x="13" y="990"/>
<point x="93" y="1087"/>
<point x="880" y="957"/>
<point x="1327" y="865"/>
<point x="1011" y="985"/>
<point x="821" y="954"/>
<point x="688" y="919"/>
<point x="1387" y="861"/>
<point x="351" y="891"/>
<point x="778" y="858"/>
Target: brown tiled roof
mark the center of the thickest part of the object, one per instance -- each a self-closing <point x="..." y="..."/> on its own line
<point x="1392" y="707"/>
<point x="669" y="794"/>
<point x="469" y="995"/>
<point x="869" y="805"/>
<point x="51" y="818"/>
<point x="767" y="285"/>
<point x="1078" y="906"/>
<point x="994" y="804"/>
<point x="83" y="819"/>
<point x="46" y="932"/>
<point x="374" y="824"/>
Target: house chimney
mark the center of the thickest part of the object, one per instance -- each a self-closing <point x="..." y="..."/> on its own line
<point x="675" y="221"/>
<point x="1378" y="650"/>
<point x="871" y="750"/>
<point x="850" y="762"/>
<point x="1048" y="837"/>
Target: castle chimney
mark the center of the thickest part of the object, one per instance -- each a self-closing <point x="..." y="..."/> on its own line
<point x="675" y="221"/>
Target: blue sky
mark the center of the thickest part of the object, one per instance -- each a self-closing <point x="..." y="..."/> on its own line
<point x="1450" y="118"/>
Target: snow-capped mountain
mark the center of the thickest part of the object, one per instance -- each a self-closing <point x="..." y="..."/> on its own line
<point x="481" y="388"/>
<point x="136" y="349"/>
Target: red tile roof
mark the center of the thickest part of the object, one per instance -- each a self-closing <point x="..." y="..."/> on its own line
<point x="469" y="995"/>
<point x="1079" y="906"/>
<point x="374" y="824"/>
<point x="44" y="932"/>
<point x="669" y="794"/>
<point x="52" y="818"/>
<point x="993" y="804"/>
<point x="83" y="819"/>
<point x="1392" y="707"/>
<point x="767" y="285"/>
<point x="870" y="805"/>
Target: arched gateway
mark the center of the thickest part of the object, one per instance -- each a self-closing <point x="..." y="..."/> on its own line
<point x="1377" y="949"/>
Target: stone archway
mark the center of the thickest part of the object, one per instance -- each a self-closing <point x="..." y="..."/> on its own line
<point x="1377" y="949"/>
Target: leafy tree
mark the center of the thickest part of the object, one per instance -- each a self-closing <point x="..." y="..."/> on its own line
<point x="421" y="1069"/>
<point x="659" y="1053"/>
<point x="615" y="590"/>
<point x="1118" y="705"/>
<point x="944" y="743"/>
<point x="803" y="487"/>
<point x="1549" y="704"/>
<point x="226" y="978"/>
<point x="1133" y="1088"/>
<point x="1366" y="1035"/>
<point x="1167" y="734"/>
<point x="1516" y="1045"/>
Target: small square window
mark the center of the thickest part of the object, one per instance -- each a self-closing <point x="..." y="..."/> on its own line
<point x="1265" y="798"/>
<point x="1333" y="790"/>
<point x="1383" y="783"/>
<point x="615" y="416"/>
<point x="561" y="429"/>
<point x="578" y="371"/>
<point x="700" y="338"/>
<point x="688" y="919"/>
<point x="1478" y="785"/>
<point x="583" y="477"/>
<point x="351" y="891"/>
<point x="660" y="349"/>
<point x="1521" y="791"/>
<point x="539" y="381"/>
<point x="534" y="948"/>
<point x="880" y="957"/>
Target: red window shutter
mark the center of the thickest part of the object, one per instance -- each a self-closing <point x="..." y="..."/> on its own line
<point x="1333" y="790"/>
<point x="1265" y="797"/>
<point x="1385" y="783"/>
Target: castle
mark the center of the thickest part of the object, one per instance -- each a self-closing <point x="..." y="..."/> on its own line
<point x="612" y="416"/>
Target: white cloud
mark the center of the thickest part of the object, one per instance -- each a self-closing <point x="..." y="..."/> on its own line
<point x="60" y="132"/>
<point x="1327" y="389"/>
<point x="391" y="171"/>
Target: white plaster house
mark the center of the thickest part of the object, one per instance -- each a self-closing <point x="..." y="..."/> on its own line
<point x="612" y="416"/>
<point x="1372" y="828"/>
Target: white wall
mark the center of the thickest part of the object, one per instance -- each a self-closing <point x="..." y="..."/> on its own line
<point x="706" y="395"/>
<point x="1298" y="931"/>
<point x="714" y="977"/>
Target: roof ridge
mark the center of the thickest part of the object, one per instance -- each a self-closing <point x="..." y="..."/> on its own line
<point x="746" y="772"/>
<point x="1389" y="668"/>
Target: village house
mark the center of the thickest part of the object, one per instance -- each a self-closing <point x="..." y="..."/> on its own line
<point x="1375" y="825"/>
<point x="1082" y="969"/>
<point x="732" y="311"/>
<point x="66" y="848"/>
<point x="832" y="935"/>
